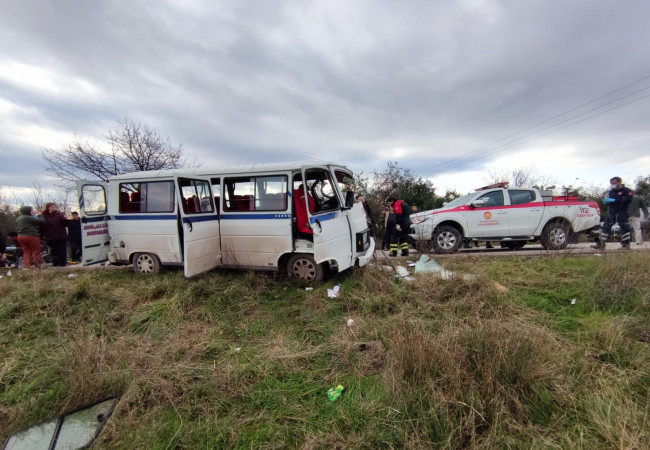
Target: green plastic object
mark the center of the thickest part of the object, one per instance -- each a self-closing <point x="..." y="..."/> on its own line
<point x="335" y="393"/>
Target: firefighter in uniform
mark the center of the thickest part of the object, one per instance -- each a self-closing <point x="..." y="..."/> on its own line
<point x="399" y="238"/>
<point x="618" y="200"/>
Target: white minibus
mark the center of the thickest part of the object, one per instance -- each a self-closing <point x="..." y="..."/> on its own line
<point x="295" y="217"/>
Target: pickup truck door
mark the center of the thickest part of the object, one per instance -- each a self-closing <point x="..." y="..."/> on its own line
<point x="488" y="215"/>
<point x="526" y="211"/>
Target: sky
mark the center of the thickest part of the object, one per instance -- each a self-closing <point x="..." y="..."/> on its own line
<point x="454" y="91"/>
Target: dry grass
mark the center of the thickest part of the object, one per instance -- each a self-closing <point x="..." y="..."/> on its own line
<point x="243" y="360"/>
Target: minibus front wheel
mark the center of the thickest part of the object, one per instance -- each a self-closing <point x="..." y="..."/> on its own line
<point x="304" y="266"/>
<point x="146" y="263"/>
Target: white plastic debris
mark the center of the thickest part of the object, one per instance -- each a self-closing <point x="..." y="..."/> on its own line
<point x="237" y="349"/>
<point x="573" y="302"/>
<point x="309" y="288"/>
<point x="402" y="271"/>
<point x="410" y="263"/>
<point x="350" y="322"/>
<point x="333" y="293"/>
<point x="598" y="254"/>
<point x="8" y="273"/>
<point x="72" y="275"/>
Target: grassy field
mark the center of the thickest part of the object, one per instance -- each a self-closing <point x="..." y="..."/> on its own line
<point x="244" y="360"/>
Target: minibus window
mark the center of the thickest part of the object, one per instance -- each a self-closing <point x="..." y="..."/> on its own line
<point x="151" y="197"/>
<point x="321" y="188"/>
<point x="94" y="199"/>
<point x="195" y="196"/>
<point x="263" y="193"/>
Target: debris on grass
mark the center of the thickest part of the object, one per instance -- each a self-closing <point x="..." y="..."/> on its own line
<point x="335" y="292"/>
<point x="334" y="393"/>
<point x="426" y="264"/>
<point x="573" y="302"/>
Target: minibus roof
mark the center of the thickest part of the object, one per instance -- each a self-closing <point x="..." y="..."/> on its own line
<point x="221" y="170"/>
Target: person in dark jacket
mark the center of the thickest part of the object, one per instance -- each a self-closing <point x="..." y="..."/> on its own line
<point x="74" y="236"/>
<point x="56" y="234"/>
<point x="389" y="226"/>
<point x="3" y="249"/>
<point x="400" y="234"/>
<point x="29" y="237"/>
<point x="618" y="199"/>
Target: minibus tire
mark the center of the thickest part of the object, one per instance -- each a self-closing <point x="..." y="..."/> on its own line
<point x="146" y="263"/>
<point x="304" y="266"/>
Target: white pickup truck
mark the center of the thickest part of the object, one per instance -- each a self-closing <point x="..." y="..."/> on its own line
<point x="513" y="216"/>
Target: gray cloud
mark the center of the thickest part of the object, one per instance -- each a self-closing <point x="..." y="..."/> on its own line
<point x="347" y="81"/>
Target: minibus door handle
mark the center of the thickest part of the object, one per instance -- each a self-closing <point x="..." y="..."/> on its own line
<point x="189" y="222"/>
<point x="320" y="227"/>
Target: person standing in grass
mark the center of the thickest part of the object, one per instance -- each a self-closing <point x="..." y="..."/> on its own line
<point x="636" y="206"/>
<point x="74" y="236"/>
<point x="29" y="237"/>
<point x="618" y="199"/>
<point x="56" y="234"/>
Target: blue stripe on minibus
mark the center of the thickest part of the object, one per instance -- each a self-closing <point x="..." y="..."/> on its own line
<point x="323" y="218"/>
<point x="144" y="217"/>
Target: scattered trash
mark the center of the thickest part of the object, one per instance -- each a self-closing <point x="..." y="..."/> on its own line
<point x="8" y="273"/>
<point x="309" y="288"/>
<point x="334" y="393"/>
<point x="333" y="293"/>
<point x="237" y="349"/>
<point x="573" y="302"/>
<point x="410" y="263"/>
<point x="409" y="278"/>
<point x="426" y="264"/>
<point x="598" y="254"/>
<point x="402" y="271"/>
<point x="72" y="275"/>
<point x="500" y="287"/>
<point x="350" y="322"/>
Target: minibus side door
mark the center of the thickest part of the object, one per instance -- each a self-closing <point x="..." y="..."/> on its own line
<point x="199" y="224"/>
<point x="95" y="239"/>
<point x="332" y="234"/>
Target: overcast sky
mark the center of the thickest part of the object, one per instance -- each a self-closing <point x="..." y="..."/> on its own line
<point x="453" y="91"/>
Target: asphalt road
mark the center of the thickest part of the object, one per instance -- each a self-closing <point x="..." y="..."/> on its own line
<point x="533" y="249"/>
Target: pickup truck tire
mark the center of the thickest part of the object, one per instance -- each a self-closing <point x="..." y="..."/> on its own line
<point x="446" y="240"/>
<point x="304" y="266"/>
<point x="146" y="263"/>
<point x="555" y="236"/>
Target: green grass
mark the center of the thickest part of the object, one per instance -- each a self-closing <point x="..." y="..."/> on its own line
<point x="244" y="360"/>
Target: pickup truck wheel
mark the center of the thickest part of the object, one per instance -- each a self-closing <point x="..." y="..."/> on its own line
<point x="304" y="266"/>
<point x="513" y="245"/>
<point x="146" y="263"/>
<point x="446" y="240"/>
<point x="555" y="236"/>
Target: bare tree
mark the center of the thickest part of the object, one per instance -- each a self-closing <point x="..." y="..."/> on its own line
<point x="523" y="177"/>
<point x="134" y="147"/>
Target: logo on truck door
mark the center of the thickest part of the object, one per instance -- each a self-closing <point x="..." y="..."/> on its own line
<point x="487" y="215"/>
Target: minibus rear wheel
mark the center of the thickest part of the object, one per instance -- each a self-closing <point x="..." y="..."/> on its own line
<point x="146" y="263"/>
<point x="304" y="266"/>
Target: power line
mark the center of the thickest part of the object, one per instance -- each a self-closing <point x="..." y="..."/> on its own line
<point x="478" y="154"/>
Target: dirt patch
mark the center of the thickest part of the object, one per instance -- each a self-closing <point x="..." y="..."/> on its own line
<point x="371" y="356"/>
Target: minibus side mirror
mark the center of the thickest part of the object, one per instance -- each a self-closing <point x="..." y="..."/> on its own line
<point x="349" y="200"/>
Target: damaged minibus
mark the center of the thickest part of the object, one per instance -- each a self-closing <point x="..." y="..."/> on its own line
<point x="299" y="218"/>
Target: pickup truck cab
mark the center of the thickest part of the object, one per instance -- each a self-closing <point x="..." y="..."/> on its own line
<point x="513" y="216"/>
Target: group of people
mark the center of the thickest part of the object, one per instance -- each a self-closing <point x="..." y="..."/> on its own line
<point x="52" y="226"/>
<point x="397" y="223"/>
<point x="624" y="208"/>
